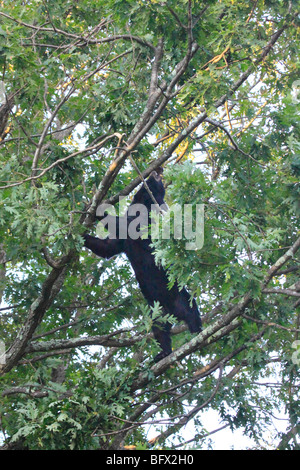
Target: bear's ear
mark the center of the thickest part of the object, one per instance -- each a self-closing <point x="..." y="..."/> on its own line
<point x="157" y="173"/>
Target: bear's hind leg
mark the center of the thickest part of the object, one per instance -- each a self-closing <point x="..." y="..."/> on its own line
<point x="162" y="335"/>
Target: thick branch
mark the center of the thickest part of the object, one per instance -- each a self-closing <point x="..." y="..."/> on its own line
<point x="50" y="289"/>
<point x="281" y="261"/>
<point x="208" y="335"/>
<point x="198" y="120"/>
<point x="211" y="333"/>
<point x="82" y="39"/>
<point x="62" y="344"/>
<point x="282" y="291"/>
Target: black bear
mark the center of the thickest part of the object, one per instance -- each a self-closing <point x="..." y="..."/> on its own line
<point x="152" y="279"/>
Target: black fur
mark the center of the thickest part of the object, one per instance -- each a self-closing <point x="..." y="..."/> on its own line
<point x="152" y="279"/>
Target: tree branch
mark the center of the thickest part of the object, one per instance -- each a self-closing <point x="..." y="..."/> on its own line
<point x="281" y="261"/>
<point x="235" y="145"/>
<point x="198" y="120"/>
<point x="281" y="291"/>
<point x="88" y="151"/>
<point x="186" y="418"/>
<point x="44" y="133"/>
<point x="104" y="340"/>
<point x="82" y="39"/>
<point x="50" y="289"/>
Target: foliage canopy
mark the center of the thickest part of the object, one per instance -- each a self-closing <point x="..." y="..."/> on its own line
<point x="90" y="92"/>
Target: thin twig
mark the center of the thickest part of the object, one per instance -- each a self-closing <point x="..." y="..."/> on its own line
<point x="235" y="145"/>
<point x="88" y="150"/>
